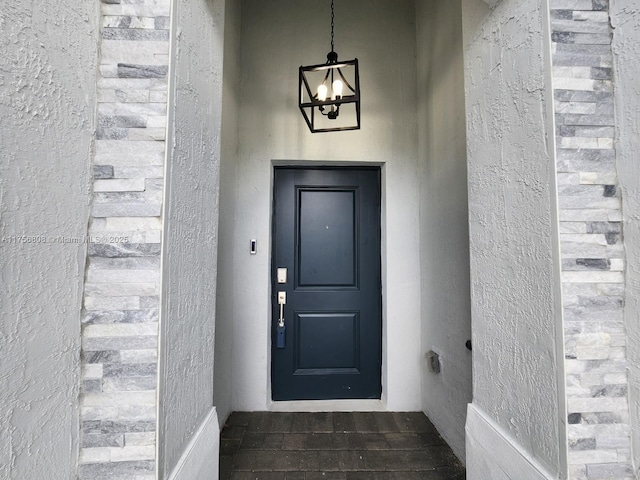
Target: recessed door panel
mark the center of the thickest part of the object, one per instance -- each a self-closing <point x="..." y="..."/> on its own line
<point x="326" y="343"/>
<point x="326" y="234"/>
<point x="327" y="248"/>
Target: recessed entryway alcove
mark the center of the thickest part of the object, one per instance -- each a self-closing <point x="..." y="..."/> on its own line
<point x="413" y="129"/>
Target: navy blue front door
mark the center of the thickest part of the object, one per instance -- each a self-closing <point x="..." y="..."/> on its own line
<point x="326" y="261"/>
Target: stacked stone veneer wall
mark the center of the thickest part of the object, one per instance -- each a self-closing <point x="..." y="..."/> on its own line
<point x="591" y="241"/>
<point x="121" y="298"/>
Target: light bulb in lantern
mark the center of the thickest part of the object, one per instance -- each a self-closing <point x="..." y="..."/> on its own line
<point x="322" y="92"/>
<point x="337" y="89"/>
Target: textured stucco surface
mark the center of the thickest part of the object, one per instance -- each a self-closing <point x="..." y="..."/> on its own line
<point x="47" y="91"/>
<point x="510" y="168"/>
<point x="275" y="42"/>
<point x="625" y="20"/>
<point x="190" y="226"/>
<point x="444" y="226"/>
<point x="224" y="369"/>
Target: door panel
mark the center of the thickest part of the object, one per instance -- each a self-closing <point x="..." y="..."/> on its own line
<point x="317" y="351"/>
<point x="327" y="251"/>
<point x="326" y="233"/>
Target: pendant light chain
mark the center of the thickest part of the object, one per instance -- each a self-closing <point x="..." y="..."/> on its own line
<point x="332" y="15"/>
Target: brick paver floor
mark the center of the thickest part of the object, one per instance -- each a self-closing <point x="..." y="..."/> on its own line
<point x="335" y="446"/>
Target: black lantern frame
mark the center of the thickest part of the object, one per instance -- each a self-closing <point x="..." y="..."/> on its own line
<point x="313" y="109"/>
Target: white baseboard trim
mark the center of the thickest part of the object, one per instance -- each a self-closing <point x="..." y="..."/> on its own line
<point x="200" y="459"/>
<point x="492" y="453"/>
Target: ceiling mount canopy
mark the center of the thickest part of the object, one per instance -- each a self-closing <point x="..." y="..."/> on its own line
<point x="329" y="93"/>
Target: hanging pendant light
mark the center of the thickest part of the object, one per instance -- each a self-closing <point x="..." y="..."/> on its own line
<point x="330" y="93"/>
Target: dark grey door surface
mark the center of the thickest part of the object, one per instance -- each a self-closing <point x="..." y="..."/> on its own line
<point x="326" y="234"/>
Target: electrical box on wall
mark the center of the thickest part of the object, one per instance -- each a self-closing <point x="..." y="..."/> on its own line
<point x="433" y="361"/>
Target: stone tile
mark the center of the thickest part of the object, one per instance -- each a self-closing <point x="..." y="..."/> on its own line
<point x="120" y="343"/>
<point x="139" y="356"/>
<point x="126" y="210"/>
<point x="365" y="422"/>
<point x="260" y="422"/>
<point x="93" y="440"/>
<point x="139" y="134"/>
<point x="609" y="391"/>
<point x="257" y="476"/>
<point x="120" y="316"/>
<point x="106" y="303"/>
<point x="343" y="422"/>
<point x="101" y="356"/>
<point x="570" y="5"/>
<point x="91" y="386"/>
<point x="607" y="470"/>
<point x="414" y="422"/>
<point x="162" y="23"/>
<point x="142" y="71"/>
<point x="102" y="171"/>
<point x="239" y="419"/>
<point x="323" y="441"/>
<point x="140" y="438"/>
<point x="445" y="473"/>
<point x="122" y="121"/>
<point x="142" y="172"/>
<point x="582" y="444"/>
<point x="297" y="461"/>
<point x="129" y="384"/>
<point x="119" y="21"/>
<point x="233" y="432"/>
<point x="294" y="441"/>
<point x="255" y="460"/>
<point x="400" y="460"/>
<point x="136" y="34"/>
<point x="120" y="399"/>
<point x="312" y="422"/>
<point x="405" y="441"/>
<point x="120" y="330"/>
<point x="343" y="461"/>
<point x="119" y="185"/>
<point x="367" y="441"/>
<point x="111" y="470"/>
<point x="122" y="276"/>
<point x="317" y="476"/>
<point x="593" y="456"/>
<point x="586" y="264"/>
<point x="385" y="422"/>
<point x="148" y="9"/>
<point x="264" y="441"/>
<point x="229" y="446"/>
<point x="369" y="475"/>
<point x="226" y="467"/>
<point x="149" y="301"/>
<point x="121" y="290"/>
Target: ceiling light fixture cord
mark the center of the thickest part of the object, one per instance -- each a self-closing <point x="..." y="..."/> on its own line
<point x="332" y="15"/>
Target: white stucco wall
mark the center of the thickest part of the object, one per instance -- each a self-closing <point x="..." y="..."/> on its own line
<point x="190" y="229"/>
<point x="275" y="42"/>
<point x="444" y="225"/>
<point x="222" y="386"/>
<point x="625" y="20"/>
<point x="47" y="94"/>
<point x="514" y="264"/>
